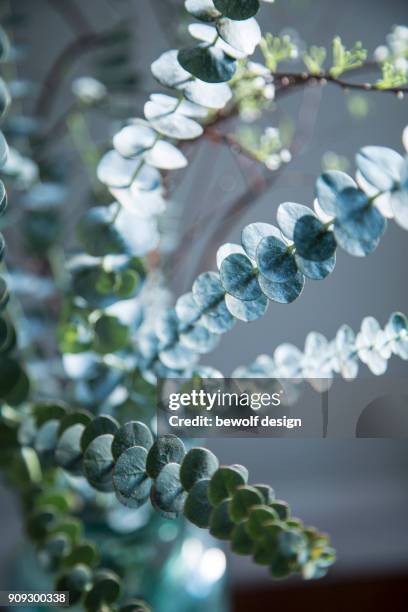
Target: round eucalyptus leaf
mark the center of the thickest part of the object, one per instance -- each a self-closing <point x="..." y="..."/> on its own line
<point x="329" y="185"/>
<point x="247" y="310"/>
<point x="284" y="293"/>
<point x="258" y="516"/>
<point x="46" y="411"/>
<point x="218" y="319"/>
<point x="242" y="35"/>
<point x="134" y="139"/>
<point x="207" y="63"/>
<point x="165" y="156"/>
<point x="4" y="294"/>
<point x="275" y="261"/>
<point x="208" y="33"/>
<point x="221" y="525"/>
<point x="288" y="215"/>
<point x="98" y="234"/>
<point x="211" y="95"/>
<point x="68" y="453"/>
<point x="133" y="433"/>
<point x="147" y="179"/>
<point x="178" y="357"/>
<point x="281" y="508"/>
<point x="224" y="482"/>
<point x="76" y="581"/>
<point x="98" y="463"/>
<point x="46" y="438"/>
<point x="199" y="339"/>
<point x="129" y="476"/>
<point x="99" y="426"/>
<point x="228" y="249"/>
<point x="166" y="327"/>
<point x="187" y="309"/>
<point x="4" y="45"/>
<point x="5" y="98"/>
<point x="189" y="109"/>
<point x="252" y="235"/>
<point x="4" y="150"/>
<point x="316" y="270"/>
<point x="167" y="70"/>
<point x="199" y="463"/>
<point x="202" y="9"/>
<point x="241" y="542"/>
<point x="237" y="9"/>
<point x="172" y="124"/>
<point x="399" y="205"/>
<point x="3" y="198"/>
<point x="135" y="605"/>
<point x="117" y="171"/>
<point x="105" y="590"/>
<point x="78" y="417"/>
<point x="238" y="277"/>
<point x="197" y="508"/>
<point x="208" y="290"/>
<point x="85" y="552"/>
<point x="110" y="335"/>
<point x="312" y="240"/>
<point x="243" y="498"/>
<point x="2" y="246"/>
<point x="166" y="449"/>
<point x="167" y="493"/>
<point x="359" y="225"/>
<point x="380" y="166"/>
<point x="267" y="493"/>
<point x="14" y="383"/>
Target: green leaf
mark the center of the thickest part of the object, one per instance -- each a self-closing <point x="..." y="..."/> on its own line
<point x="105" y="589"/>
<point x="133" y="433"/>
<point x="243" y="499"/>
<point x="242" y="35"/>
<point x="221" y="525"/>
<point x="241" y="542"/>
<point x="225" y="481"/>
<point x="68" y="453"/>
<point x="282" y="508"/>
<point x="85" y="553"/>
<point x="76" y="581"/>
<point x="166" y="449"/>
<point x="135" y="605"/>
<point x="258" y="516"/>
<point x="98" y="234"/>
<point x="198" y="508"/>
<point x="210" y="64"/>
<point x="98" y="463"/>
<point x="99" y="426"/>
<point x="14" y="384"/>
<point x="167" y="493"/>
<point x="129" y="477"/>
<point x="110" y="335"/>
<point x="237" y="9"/>
<point x="199" y="463"/>
<point x="82" y="417"/>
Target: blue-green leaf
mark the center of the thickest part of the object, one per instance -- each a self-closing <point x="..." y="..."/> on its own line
<point x="237" y="9"/>
<point x="284" y="293"/>
<point x="275" y="260"/>
<point x="239" y="278"/>
<point x="208" y="63"/>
